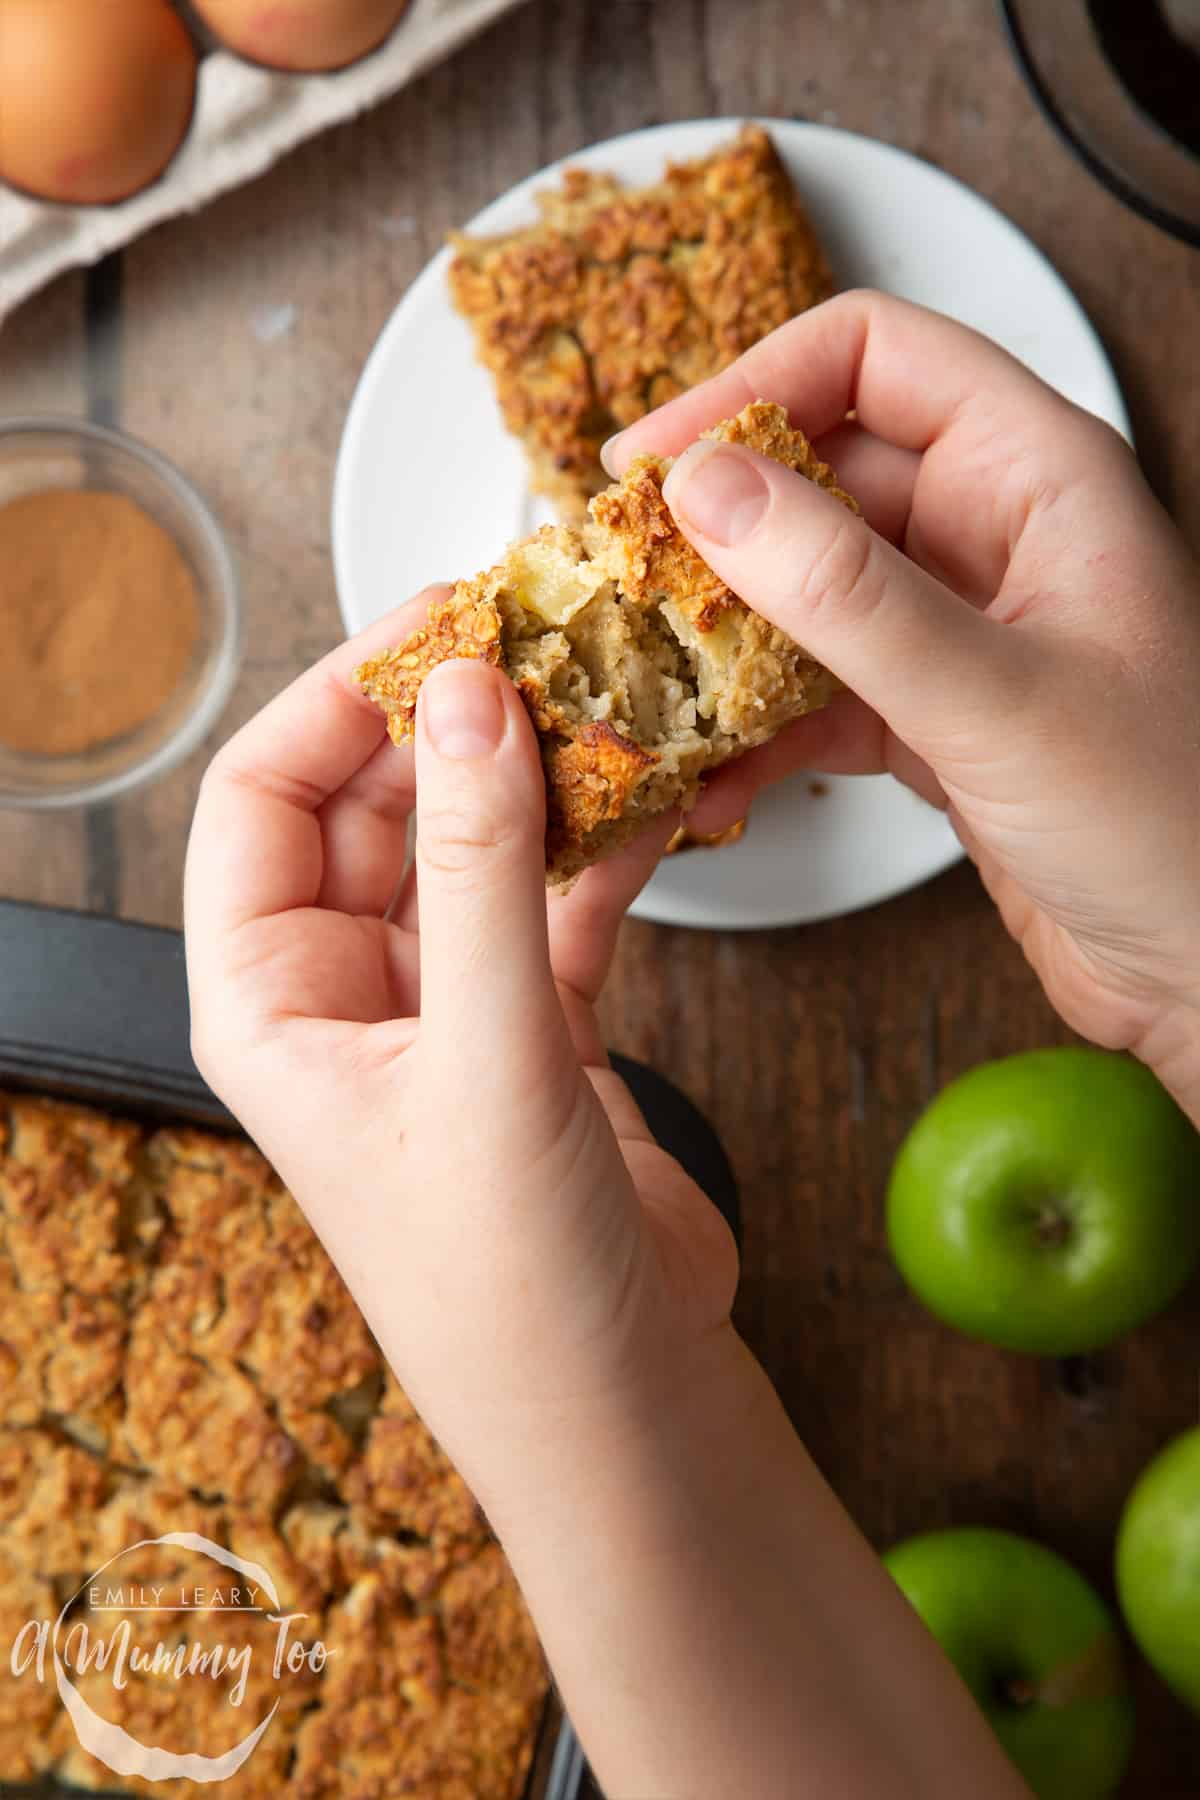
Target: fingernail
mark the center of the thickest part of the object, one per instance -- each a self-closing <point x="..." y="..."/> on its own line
<point x="606" y="457"/>
<point x="718" y="492"/>
<point x="462" y="710"/>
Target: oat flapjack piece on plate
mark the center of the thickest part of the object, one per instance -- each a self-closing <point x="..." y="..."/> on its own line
<point x="640" y="669"/>
<point x="619" y="299"/>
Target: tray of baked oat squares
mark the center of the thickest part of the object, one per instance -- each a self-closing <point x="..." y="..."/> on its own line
<point x="229" y="1548"/>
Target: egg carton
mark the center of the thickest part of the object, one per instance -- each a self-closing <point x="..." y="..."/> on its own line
<point x="246" y="117"/>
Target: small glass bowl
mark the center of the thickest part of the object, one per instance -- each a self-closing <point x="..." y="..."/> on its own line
<point x="37" y="454"/>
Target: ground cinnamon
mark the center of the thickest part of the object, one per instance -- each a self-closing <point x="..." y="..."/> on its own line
<point x="98" y="619"/>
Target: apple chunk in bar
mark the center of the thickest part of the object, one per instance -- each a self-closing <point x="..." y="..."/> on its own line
<point x="641" y="670"/>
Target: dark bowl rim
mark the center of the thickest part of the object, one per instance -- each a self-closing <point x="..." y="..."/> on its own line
<point x="1048" y="106"/>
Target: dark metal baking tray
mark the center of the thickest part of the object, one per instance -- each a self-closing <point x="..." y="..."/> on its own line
<point x="95" y="1009"/>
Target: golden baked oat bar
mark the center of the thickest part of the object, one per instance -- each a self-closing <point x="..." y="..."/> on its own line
<point x="620" y="299"/>
<point x="640" y="669"/>
<point x="178" y="1354"/>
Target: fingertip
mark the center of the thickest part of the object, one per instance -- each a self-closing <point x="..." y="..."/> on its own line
<point x="681" y="471"/>
<point x="611" y="458"/>
<point x="720" y="491"/>
<point x="469" y="710"/>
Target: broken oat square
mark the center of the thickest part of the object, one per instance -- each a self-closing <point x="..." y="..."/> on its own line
<point x="640" y="669"/>
<point x="619" y="299"/>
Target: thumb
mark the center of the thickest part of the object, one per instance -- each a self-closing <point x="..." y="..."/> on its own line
<point x="921" y="657"/>
<point x="487" y="994"/>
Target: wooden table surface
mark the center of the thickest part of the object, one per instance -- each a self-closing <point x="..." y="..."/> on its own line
<point x="232" y="341"/>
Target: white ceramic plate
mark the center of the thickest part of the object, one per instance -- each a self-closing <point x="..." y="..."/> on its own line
<point x="430" y="486"/>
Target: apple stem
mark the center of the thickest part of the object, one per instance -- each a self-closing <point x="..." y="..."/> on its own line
<point x="1052" y="1228"/>
<point x="1020" y="1691"/>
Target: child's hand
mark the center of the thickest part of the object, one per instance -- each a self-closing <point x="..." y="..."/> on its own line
<point x="525" y="1253"/>
<point x="1022" y="629"/>
<point x="549" y="1286"/>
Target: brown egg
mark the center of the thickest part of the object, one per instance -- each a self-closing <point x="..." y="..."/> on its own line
<point x="95" y="95"/>
<point x="304" y="35"/>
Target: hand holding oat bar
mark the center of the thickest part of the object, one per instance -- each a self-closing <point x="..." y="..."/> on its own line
<point x="1020" y="631"/>
<point x="641" y="670"/>
<point x="549" y="1285"/>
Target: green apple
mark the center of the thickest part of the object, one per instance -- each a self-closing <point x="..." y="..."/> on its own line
<point x="1048" y="1202"/>
<point x="1158" y="1565"/>
<point x="1037" y="1648"/>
